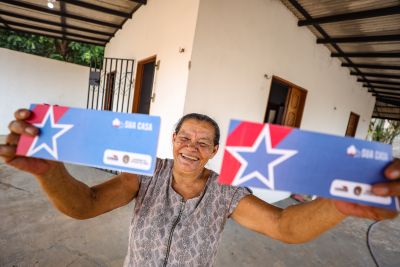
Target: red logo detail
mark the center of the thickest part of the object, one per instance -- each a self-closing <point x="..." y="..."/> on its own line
<point x="38" y="114"/>
<point x="278" y="133"/>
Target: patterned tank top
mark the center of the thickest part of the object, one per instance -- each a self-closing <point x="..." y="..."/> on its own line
<point x="166" y="230"/>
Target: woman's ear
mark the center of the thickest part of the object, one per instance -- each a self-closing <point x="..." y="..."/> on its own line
<point x="216" y="147"/>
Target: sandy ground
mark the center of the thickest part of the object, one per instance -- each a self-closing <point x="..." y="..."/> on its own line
<point x="33" y="233"/>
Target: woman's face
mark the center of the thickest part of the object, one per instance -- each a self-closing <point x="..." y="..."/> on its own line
<point x="193" y="146"/>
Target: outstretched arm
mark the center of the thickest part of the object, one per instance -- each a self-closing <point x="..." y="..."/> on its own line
<point x="303" y="222"/>
<point x="69" y="195"/>
<point x="295" y="224"/>
<point x="80" y="201"/>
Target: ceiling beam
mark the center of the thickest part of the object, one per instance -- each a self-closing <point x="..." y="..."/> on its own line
<point x="142" y="2"/>
<point x="3" y="21"/>
<point x="305" y="14"/>
<point x="367" y="54"/>
<point x="53" y="23"/>
<point x="351" y="16"/>
<point x="371" y="66"/>
<point x="63" y="33"/>
<point x="384" y="93"/>
<point x="380" y="82"/>
<point x="382" y="87"/>
<point x="388" y="113"/>
<point x="387" y="98"/>
<point x="385" y="118"/>
<point x="52" y="36"/>
<point x="359" y="39"/>
<point x="63" y="22"/>
<point x="378" y="75"/>
<point x="98" y="8"/>
<point x="59" y="13"/>
<point x="378" y="106"/>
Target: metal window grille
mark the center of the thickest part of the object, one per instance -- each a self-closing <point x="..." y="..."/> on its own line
<point x="110" y="86"/>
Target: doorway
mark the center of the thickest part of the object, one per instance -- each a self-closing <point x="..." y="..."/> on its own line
<point x="109" y="95"/>
<point x="144" y="85"/>
<point x="352" y="124"/>
<point x="285" y="103"/>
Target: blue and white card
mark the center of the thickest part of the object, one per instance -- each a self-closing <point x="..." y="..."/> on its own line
<point x="286" y="159"/>
<point x="103" y="139"/>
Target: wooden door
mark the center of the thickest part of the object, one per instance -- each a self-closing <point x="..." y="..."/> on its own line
<point x="109" y="95"/>
<point x="352" y="124"/>
<point x="294" y="107"/>
<point x="144" y="85"/>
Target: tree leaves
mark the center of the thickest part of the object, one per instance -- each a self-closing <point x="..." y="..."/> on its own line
<point x="384" y="130"/>
<point x="74" y="52"/>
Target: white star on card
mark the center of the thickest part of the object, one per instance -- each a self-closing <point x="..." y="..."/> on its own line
<point x="54" y="152"/>
<point x="268" y="181"/>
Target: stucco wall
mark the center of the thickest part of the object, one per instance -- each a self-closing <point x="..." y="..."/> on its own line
<point x="29" y="79"/>
<point x="237" y="42"/>
<point x="161" y="28"/>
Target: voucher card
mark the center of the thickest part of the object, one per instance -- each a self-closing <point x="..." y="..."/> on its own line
<point x="104" y="139"/>
<point x="286" y="159"/>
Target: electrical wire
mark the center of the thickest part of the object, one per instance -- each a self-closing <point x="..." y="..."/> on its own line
<point x="371" y="252"/>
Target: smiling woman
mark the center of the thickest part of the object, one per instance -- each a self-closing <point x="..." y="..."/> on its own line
<point x="181" y="210"/>
<point x="195" y="142"/>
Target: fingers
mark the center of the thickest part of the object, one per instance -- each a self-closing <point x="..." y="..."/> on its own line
<point x="7" y="152"/>
<point x="387" y="189"/>
<point x="377" y="213"/>
<point x="12" y="139"/>
<point x="393" y="170"/>
<point x="363" y="211"/>
<point x="22" y="114"/>
<point x="22" y="127"/>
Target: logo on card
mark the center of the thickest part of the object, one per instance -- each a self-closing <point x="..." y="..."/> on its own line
<point x="355" y="190"/>
<point x="127" y="159"/>
<point x="352" y="151"/>
<point x="112" y="157"/>
<point x="366" y="153"/>
<point x="116" y="123"/>
<point x="251" y="150"/>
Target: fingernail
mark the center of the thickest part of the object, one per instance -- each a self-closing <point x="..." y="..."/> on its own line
<point x="394" y="174"/>
<point x="380" y="190"/>
<point x="22" y="113"/>
<point x="31" y="130"/>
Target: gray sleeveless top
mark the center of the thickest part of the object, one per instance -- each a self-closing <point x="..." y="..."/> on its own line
<point x="165" y="230"/>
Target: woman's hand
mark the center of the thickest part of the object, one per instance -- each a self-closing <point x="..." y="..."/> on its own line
<point x="390" y="188"/>
<point x="8" y="150"/>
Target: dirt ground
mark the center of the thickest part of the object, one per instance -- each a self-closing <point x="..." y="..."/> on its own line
<point x="33" y="233"/>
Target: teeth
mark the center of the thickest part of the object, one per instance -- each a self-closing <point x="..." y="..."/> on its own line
<point x="189" y="157"/>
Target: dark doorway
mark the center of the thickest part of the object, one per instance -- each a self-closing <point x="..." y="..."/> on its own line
<point x="285" y="103"/>
<point x="144" y="85"/>
<point x="352" y="124"/>
<point x="109" y="96"/>
<point x="276" y="102"/>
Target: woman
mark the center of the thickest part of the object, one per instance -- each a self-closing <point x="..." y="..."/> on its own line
<point x="180" y="211"/>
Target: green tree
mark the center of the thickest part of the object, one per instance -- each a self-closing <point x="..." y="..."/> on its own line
<point x="383" y="130"/>
<point x="74" y="52"/>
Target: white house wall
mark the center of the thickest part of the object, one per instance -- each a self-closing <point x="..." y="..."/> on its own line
<point x="29" y="79"/>
<point x="237" y="42"/>
<point x="161" y="28"/>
